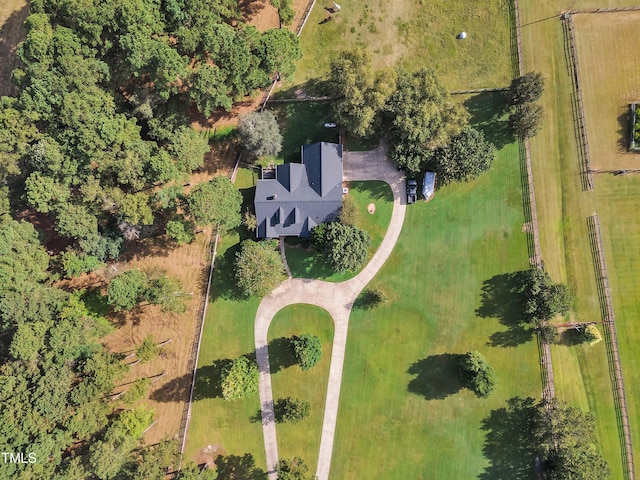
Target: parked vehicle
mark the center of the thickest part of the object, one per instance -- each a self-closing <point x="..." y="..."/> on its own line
<point x="428" y="186"/>
<point x="412" y="191"/>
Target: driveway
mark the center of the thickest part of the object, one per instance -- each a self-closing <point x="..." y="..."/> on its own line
<point x="335" y="298"/>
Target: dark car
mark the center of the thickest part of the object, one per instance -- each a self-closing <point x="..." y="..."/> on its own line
<point x="412" y="191"/>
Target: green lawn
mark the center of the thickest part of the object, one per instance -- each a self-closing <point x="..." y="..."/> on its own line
<point x="581" y="373"/>
<point x="401" y="402"/>
<point x="301" y="439"/>
<point x="412" y="33"/>
<point x="305" y="262"/>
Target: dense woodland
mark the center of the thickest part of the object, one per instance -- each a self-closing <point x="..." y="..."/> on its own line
<point x="98" y="139"/>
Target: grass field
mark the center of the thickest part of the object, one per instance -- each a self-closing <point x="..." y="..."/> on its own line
<point x="413" y="33"/>
<point x="607" y="78"/>
<point x="304" y="262"/>
<point x="402" y="414"/>
<point x="302" y="439"/>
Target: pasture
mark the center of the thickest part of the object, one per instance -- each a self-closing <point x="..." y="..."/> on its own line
<point x="604" y="43"/>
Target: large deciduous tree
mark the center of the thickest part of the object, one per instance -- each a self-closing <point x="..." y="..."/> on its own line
<point x="260" y="134"/>
<point x="360" y="93"/>
<point x="239" y="379"/>
<point x="525" y="89"/>
<point x="259" y="268"/>
<point x="543" y="298"/>
<point x="467" y="156"/>
<point x="421" y="117"/>
<point x="476" y="373"/>
<point x="526" y="120"/>
<point x="345" y="246"/>
<point x="216" y="203"/>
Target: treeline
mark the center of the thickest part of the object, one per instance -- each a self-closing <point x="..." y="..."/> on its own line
<point x="98" y="135"/>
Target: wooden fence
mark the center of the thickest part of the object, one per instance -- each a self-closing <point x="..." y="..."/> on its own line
<point x="611" y="339"/>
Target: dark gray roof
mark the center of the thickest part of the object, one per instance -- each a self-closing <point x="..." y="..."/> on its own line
<point x="302" y="195"/>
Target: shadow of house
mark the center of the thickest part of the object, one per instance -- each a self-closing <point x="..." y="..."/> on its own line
<point x="509" y="442"/>
<point x="503" y="298"/>
<point x="437" y="376"/>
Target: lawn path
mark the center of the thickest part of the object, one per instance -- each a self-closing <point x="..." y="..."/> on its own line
<point x="335" y="298"/>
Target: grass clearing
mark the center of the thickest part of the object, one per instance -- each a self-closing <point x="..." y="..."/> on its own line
<point x="302" y="439"/>
<point x="401" y="399"/>
<point x="607" y="80"/>
<point x="305" y="262"/>
<point x="413" y="33"/>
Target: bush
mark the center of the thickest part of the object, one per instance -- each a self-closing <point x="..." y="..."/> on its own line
<point x="349" y="214"/>
<point x="590" y="335"/>
<point x="476" y="374"/>
<point x="240" y="379"/>
<point x="288" y="410"/>
<point x="308" y="350"/>
<point x="126" y="290"/>
<point x="181" y="230"/>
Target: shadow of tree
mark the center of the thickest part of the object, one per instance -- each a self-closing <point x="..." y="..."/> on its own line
<point x="209" y="379"/>
<point x="571" y="337"/>
<point x="281" y="354"/>
<point x="489" y="115"/>
<point x="437" y="376"/>
<point x="176" y="390"/>
<point x="236" y="467"/>
<point x="375" y="190"/>
<point x="509" y="442"/>
<point x="222" y="283"/>
<point x="503" y="298"/>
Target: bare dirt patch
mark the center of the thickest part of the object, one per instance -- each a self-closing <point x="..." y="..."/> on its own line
<point x="12" y="16"/>
<point x="260" y="13"/>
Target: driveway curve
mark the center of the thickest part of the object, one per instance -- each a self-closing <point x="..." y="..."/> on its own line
<point x="335" y="298"/>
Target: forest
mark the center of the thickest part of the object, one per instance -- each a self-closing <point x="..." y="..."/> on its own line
<point x="98" y="141"/>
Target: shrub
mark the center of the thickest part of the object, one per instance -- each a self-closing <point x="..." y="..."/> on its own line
<point x="308" y="350"/>
<point x="591" y="334"/>
<point x="240" y="379"/>
<point x="289" y="410"/>
<point x="349" y="214"/>
<point x="476" y="374"/>
<point x="181" y="230"/>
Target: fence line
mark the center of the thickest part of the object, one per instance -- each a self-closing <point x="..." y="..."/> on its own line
<point x="192" y="365"/>
<point x="530" y="211"/>
<point x="584" y="155"/>
<point x="276" y="78"/>
<point x="603" y="10"/>
<point x="611" y="340"/>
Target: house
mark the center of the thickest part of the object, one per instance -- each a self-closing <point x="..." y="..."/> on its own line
<point x="298" y="196"/>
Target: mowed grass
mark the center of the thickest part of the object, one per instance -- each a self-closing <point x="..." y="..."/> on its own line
<point x="305" y="262"/>
<point x="412" y="34"/>
<point x="226" y="428"/>
<point x="402" y="413"/>
<point x="581" y="373"/>
<point x="302" y="439"/>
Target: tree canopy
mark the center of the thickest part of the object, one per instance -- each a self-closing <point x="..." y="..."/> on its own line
<point x="345" y="246"/>
<point x="544" y="299"/>
<point x="216" y="203"/>
<point x="307" y="350"/>
<point x="239" y="379"/>
<point x="476" y="373"/>
<point x="526" y="120"/>
<point x="260" y="134"/>
<point x="360" y="93"/>
<point x="258" y="268"/>
<point x="525" y="89"/>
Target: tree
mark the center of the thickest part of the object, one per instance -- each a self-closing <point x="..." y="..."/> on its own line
<point x="75" y="264"/>
<point x="280" y="51"/>
<point x="567" y="440"/>
<point x="259" y="133"/>
<point x="285" y="11"/>
<point x="148" y="349"/>
<point x="294" y="469"/>
<point x="208" y="91"/>
<point x="307" y="350"/>
<point x="249" y="221"/>
<point x="289" y="410"/>
<point x="525" y="89"/>
<point x="217" y="203"/>
<point x="165" y="291"/>
<point x="349" y="213"/>
<point x="44" y="193"/>
<point x="549" y="333"/>
<point x="75" y="221"/>
<point x="590" y="334"/>
<point x="360" y="93"/>
<point x="526" y="120"/>
<point x="465" y="158"/>
<point x="345" y="246"/>
<point x="239" y="379"/>
<point x="181" y="230"/>
<point x="421" y="117"/>
<point x="476" y="374"/>
<point x="259" y="267"/>
<point x="22" y="259"/>
<point x="138" y="390"/>
<point x="127" y="290"/>
<point x="191" y="471"/>
<point x="544" y="299"/>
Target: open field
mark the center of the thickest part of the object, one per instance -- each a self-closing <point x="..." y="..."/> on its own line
<point x="302" y="439"/>
<point x="304" y="262"/>
<point x="581" y="373"/>
<point x="12" y="15"/>
<point x="401" y="401"/>
<point x="414" y="33"/>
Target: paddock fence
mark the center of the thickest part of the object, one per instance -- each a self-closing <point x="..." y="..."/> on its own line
<point x="611" y="341"/>
<point x="577" y="103"/>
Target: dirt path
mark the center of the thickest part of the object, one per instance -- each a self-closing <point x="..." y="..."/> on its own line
<point x="12" y="16"/>
<point x="335" y="298"/>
